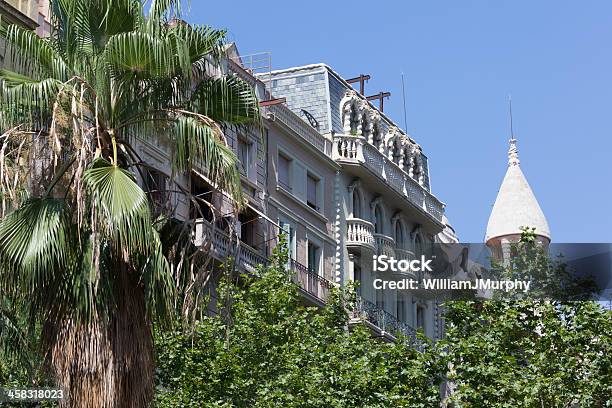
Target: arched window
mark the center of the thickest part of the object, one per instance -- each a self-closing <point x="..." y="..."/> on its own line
<point x="399" y="234"/>
<point x="418" y="245"/>
<point x="378" y="220"/>
<point x="356" y="204"/>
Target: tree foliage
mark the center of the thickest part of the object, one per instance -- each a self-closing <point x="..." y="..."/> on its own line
<point x="529" y="353"/>
<point x="265" y="349"/>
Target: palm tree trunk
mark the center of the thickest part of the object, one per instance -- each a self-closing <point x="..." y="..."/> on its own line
<point x="106" y="363"/>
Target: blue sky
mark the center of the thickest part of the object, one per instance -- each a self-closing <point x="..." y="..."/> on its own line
<point x="461" y="60"/>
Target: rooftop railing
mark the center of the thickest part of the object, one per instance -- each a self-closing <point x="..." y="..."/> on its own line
<point x="355" y="149"/>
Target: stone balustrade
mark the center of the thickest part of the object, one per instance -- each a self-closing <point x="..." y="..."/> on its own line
<point x="385" y="245"/>
<point x="355" y="149"/>
<point x="285" y="115"/>
<point x="360" y="233"/>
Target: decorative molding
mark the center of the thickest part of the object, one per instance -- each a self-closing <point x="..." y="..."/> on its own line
<point x="356" y="183"/>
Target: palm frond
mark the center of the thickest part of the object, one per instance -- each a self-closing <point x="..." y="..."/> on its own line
<point x="120" y="206"/>
<point x="164" y="10"/>
<point x="32" y="54"/>
<point x="141" y="55"/>
<point x="227" y="99"/>
<point x="34" y="242"/>
<point x="72" y="29"/>
<point x="24" y="99"/>
<point x="15" y="341"/>
<point x="158" y="280"/>
<point x="201" y="42"/>
<point x="198" y="146"/>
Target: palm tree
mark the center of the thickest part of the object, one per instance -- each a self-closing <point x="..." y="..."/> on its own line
<point x="79" y="249"/>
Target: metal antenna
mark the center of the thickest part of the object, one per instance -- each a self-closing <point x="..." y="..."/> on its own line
<point x="511" y="126"/>
<point x="404" y="97"/>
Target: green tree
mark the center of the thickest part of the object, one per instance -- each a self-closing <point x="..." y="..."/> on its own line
<point x="80" y="254"/>
<point x="526" y="353"/>
<point x="543" y="349"/>
<point x="265" y="349"/>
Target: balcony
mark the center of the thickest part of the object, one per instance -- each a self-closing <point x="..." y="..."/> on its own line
<point x="356" y="151"/>
<point x="222" y="246"/>
<point x="360" y="234"/>
<point x="385" y="245"/>
<point x="382" y="320"/>
<point x="315" y="287"/>
<point x="402" y="253"/>
<point x="311" y="283"/>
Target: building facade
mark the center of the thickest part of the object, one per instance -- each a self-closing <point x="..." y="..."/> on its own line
<point x="338" y="179"/>
<point x="32" y="14"/>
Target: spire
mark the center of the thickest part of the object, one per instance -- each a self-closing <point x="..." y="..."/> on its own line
<point x="513" y="159"/>
<point x="516" y="205"/>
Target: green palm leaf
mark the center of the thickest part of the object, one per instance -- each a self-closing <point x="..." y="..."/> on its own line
<point x="34" y="242"/>
<point x="198" y="147"/>
<point x="121" y="208"/>
<point x="227" y="99"/>
<point x="32" y="54"/>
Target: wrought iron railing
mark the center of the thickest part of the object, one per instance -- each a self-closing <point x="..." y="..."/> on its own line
<point x="382" y="319"/>
<point x="310" y="281"/>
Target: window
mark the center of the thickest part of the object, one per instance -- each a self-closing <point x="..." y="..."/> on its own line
<point x="312" y="185"/>
<point x="155" y="185"/>
<point x="399" y="235"/>
<point x="421" y="317"/>
<point x="418" y="245"/>
<point x="356" y="204"/>
<point x="288" y="231"/>
<point x="284" y="171"/>
<point x="244" y="155"/>
<point x="246" y="228"/>
<point x="378" y="220"/>
<point x="357" y="277"/>
<point x="401" y="309"/>
<point x="314" y="257"/>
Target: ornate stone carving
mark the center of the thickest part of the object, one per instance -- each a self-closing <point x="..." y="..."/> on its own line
<point x="393" y="143"/>
<point x="352" y="111"/>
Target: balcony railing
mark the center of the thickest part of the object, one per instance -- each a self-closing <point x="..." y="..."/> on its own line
<point x="382" y="319"/>
<point x="311" y="282"/>
<point x="301" y="128"/>
<point x="222" y="246"/>
<point x="402" y="253"/>
<point x="385" y="245"/>
<point x="360" y="233"/>
<point x="355" y="149"/>
<point x="247" y="257"/>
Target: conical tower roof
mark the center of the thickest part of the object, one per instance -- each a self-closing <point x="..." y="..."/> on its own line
<point x="516" y="205"/>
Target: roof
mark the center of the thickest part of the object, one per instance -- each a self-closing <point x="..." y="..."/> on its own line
<point x="516" y="206"/>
